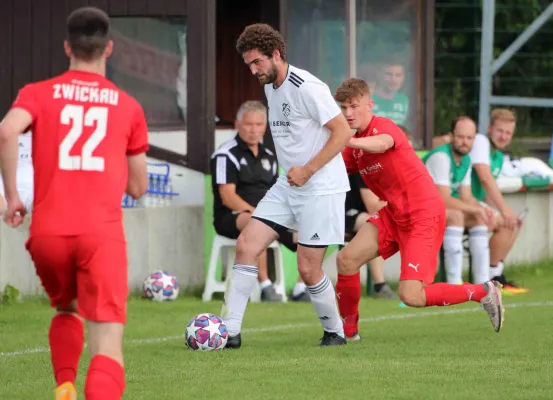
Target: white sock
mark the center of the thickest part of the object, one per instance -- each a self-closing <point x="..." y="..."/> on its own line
<point x="496" y="271"/>
<point x="479" y="245"/>
<point x="299" y="288"/>
<point x="453" y="251"/>
<point x="266" y="283"/>
<point x="323" y="298"/>
<point x="237" y="294"/>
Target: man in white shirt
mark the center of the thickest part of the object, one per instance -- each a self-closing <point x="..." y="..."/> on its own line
<point x="309" y="133"/>
<point x="487" y="159"/>
<point x="25" y="177"/>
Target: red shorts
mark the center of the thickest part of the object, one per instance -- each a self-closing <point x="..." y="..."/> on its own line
<point x="418" y="245"/>
<point x="91" y="269"/>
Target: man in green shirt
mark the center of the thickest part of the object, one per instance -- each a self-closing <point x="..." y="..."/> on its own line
<point x="487" y="160"/>
<point x="389" y="102"/>
<point x="450" y="167"/>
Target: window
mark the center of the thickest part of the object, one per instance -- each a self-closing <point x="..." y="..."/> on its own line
<point x="149" y="62"/>
<point x="316" y="38"/>
<point x="387" y="42"/>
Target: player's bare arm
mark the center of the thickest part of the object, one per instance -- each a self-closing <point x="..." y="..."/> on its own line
<point x="16" y="122"/>
<point x="372" y="202"/>
<point x="137" y="184"/>
<point x="495" y="195"/>
<point x="232" y="200"/>
<point x="456" y="204"/>
<point x="465" y="194"/>
<point x="373" y="144"/>
<point x="486" y="213"/>
<point x="3" y="204"/>
<point x="340" y="134"/>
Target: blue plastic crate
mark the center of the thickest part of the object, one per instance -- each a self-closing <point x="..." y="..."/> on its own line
<point x="160" y="190"/>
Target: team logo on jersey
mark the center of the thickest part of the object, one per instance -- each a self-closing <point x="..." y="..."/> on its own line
<point x="286" y="109"/>
<point x="266" y="164"/>
<point x="371" y="169"/>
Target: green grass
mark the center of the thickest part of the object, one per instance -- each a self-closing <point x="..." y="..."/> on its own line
<point x="435" y="353"/>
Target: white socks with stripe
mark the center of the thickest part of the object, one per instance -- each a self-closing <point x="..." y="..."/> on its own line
<point x="239" y="290"/>
<point x="479" y="246"/>
<point x="453" y="252"/>
<point x="323" y="298"/>
<point x="240" y="287"/>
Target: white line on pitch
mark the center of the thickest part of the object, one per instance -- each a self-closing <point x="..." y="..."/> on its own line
<point x="277" y="328"/>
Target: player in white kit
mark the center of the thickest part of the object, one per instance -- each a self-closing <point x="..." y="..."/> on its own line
<point x="309" y="133"/>
<point x="25" y="176"/>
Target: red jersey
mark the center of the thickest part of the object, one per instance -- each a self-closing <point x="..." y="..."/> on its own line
<point x="84" y="128"/>
<point x="397" y="176"/>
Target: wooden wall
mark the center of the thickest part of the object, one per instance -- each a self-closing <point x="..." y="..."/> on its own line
<point x="33" y="31"/>
<point x="31" y="49"/>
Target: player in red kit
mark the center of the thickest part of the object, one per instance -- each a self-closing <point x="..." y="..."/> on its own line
<point x="413" y="222"/>
<point x="89" y="144"/>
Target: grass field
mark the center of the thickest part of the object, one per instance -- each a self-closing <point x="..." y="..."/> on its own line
<point x="435" y="353"/>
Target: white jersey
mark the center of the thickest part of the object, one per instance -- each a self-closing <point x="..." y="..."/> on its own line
<point x="298" y="111"/>
<point x="480" y="152"/>
<point x="439" y="168"/>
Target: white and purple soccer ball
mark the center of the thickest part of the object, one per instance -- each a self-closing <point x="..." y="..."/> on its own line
<point x="206" y="332"/>
<point x="160" y="286"/>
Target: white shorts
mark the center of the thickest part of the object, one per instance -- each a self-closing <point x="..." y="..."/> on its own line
<point x="318" y="219"/>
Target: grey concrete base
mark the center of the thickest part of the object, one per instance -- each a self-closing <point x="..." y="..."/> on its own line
<point x="535" y="241"/>
<point x="169" y="238"/>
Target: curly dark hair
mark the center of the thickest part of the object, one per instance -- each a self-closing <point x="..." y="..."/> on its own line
<point x="261" y="37"/>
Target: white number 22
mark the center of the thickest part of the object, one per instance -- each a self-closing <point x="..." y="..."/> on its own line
<point x="75" y="116"/>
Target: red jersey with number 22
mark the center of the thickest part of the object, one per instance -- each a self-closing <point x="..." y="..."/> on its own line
<point x="397" y="176"/>
<point x="84" y="128"/>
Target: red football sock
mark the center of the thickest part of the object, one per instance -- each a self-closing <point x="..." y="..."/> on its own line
<point x="66" y="339"/>
<point x="447" y="294"/>
<point x="105" y="379"/>
<point x="348" y="292"/>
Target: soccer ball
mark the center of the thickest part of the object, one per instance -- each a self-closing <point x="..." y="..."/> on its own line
<point x="206" y="332"/>
<point x="161" y="286"/>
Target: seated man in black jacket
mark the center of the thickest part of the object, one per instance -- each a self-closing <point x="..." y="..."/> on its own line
<point x="243" y="170"/>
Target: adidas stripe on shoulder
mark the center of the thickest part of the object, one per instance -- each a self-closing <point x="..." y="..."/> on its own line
<point x="295" y="79"/>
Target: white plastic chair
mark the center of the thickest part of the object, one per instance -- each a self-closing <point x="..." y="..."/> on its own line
<point x="225" y="249"/>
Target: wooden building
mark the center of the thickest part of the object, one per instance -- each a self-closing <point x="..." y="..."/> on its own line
<point x="178" y="57"/>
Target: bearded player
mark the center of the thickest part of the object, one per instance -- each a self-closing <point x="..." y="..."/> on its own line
<point x="412" y="223"/>
<point x="89" y="144"/>
<point x="309" y="132"/>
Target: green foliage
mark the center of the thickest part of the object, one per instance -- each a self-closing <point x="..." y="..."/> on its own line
<point x="527" y="73"/>
<point x="448" y="101"/>
<point x="518" y="150"/>
<point x="10" y="295"/>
